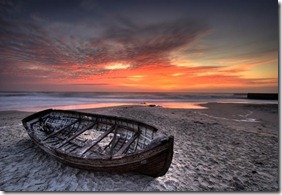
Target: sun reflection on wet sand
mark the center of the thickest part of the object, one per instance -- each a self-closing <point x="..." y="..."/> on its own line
<point x="184" y="105"/>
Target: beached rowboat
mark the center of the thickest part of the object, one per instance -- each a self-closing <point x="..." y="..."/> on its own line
<point x="101" y="143"/>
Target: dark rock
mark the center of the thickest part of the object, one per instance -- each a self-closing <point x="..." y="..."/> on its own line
<point x="198" y="122"/>
<point x="263" y="96"/>
<point x="259" y="163"/>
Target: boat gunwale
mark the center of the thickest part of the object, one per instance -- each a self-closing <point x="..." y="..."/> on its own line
<point x="111" y="117"/>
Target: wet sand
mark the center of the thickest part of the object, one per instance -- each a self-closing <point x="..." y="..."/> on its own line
<point x="227" y="147"/>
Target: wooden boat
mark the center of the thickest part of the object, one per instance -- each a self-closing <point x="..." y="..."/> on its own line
<point x="101" y="143"/>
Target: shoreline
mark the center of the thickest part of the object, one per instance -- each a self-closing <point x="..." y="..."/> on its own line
<point x="168" y="105"/>
<point x="216" y="149"/>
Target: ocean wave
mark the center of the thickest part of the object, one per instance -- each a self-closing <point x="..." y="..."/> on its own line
<point x="24" y="100"/>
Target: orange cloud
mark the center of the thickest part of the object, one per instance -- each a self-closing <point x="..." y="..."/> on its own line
<point x="169" y="78"/>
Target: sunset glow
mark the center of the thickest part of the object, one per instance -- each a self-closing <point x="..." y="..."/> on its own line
<point x="171" y="48"/>
<point x="117" y="66"/>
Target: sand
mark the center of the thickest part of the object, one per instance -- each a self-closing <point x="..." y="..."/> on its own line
<point x="227" y="147"/>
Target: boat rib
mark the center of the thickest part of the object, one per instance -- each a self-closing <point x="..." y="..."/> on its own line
<point x="77" y="134"/>
<point x="60" y="130"/>
<point x="94" y="142"/>
<point x="126" y="146"/>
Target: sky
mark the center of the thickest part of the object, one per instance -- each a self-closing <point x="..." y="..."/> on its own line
<point x="139" y="45"/>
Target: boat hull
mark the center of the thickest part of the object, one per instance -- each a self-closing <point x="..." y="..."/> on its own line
<point x="153" y="161"/>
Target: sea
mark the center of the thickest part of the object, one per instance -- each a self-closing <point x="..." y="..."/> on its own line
<point x="36" y="101"/>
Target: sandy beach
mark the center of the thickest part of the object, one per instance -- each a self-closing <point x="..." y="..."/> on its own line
<point x="226" y="147"/>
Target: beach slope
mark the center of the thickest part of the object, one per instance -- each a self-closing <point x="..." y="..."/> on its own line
<point x="227" y="147"/>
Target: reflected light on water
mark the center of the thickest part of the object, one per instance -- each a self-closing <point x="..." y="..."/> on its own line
<point x="186" y="105"/>
<point x="89" y="106"/>
<point x="183" y="105"/>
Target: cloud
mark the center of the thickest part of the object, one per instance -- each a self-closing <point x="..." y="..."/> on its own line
<point x="123" y="41"/>
<point x="117" y="66"/>
<point x="25" y="41"/>
<point x="151" y="43"/>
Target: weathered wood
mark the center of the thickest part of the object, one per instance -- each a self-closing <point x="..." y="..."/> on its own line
<point x="127" y="145"/>
<point x="81" y="152"/>
<point x="94" y="142"/>
<point x="77" y="134"/>
<point x="60" y="130"/>
<point x="114" y="142"/>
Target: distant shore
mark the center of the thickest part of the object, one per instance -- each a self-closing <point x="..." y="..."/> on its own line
<point x="36" y="101"/>
<point x="226" y="147"/>
<point x="263" y="96"/>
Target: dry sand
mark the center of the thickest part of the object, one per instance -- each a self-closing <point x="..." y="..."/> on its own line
<point x="227" y="147"/>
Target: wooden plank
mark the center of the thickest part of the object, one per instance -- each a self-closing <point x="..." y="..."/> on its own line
<point x="77" y="134"/>
<point x="114" y="142"/>
<point x="108" y="144"/>
<point x="127" y="145"/>
<point x="60" y="130"/>
<point x="94" y="142"/>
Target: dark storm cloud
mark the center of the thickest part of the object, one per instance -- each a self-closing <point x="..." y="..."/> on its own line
<point x="146" y="44"/>
<point x="25" y="41"/>
<point x="30" y="40"/>
<point x="24" y="38"/>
